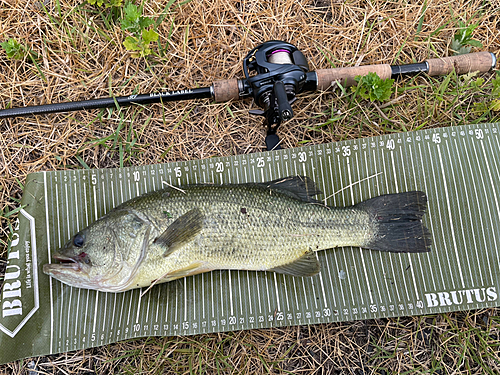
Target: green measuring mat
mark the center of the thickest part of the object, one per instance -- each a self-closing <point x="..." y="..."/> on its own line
<point x="458" y="168"/>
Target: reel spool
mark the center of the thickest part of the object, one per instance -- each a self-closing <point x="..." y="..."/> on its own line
<point x="275" y="72"/>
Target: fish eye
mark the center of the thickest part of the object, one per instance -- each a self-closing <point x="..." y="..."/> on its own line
<point x="78" y="240"/>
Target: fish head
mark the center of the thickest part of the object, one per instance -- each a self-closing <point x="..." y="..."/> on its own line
<point x="91" y="259"/>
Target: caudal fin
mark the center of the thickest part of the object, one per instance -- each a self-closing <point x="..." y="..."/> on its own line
<point x="398" y="218"/>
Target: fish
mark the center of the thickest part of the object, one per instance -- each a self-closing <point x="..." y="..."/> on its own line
<point x="274" y="226"/>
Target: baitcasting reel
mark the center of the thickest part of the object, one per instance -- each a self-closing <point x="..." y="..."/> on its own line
<point x="275" y="73"/>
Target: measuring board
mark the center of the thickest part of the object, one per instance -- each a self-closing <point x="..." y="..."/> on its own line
<point x="458" y="168"/>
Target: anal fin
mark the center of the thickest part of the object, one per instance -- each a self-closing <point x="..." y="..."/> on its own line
<point x="306" y="265"/>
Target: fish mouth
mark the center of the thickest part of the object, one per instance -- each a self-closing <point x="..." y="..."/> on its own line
<point x="63" y="262"/>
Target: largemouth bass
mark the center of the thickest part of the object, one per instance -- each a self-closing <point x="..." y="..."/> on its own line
<point x="276" y="226"/>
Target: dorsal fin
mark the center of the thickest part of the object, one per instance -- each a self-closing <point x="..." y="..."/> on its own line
<point x="298" y="187"/>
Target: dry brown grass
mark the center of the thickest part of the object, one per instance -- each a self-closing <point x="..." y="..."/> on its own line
<point x="83" y="57"/>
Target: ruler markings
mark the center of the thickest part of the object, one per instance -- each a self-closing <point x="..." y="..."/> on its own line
<point x="343" y="249"/>
<point x="104" y="313"/>
<point x="66" y="200"/>
<point x="271" y="177"/>
<point x="380" y="254"/>
<point x="296" y="294"/>
<point x="293" y="278"/>
<point x="249" y="293"/>
<point x="86" y="312"/>
<point x="409" y="256"/>
<point x="415" y="184"/>
<point x="96" y="216"/>
<point x="175" y="306"/>
<point x="130" y="306"/>
<point x="68" y="323"/>
<point x="480" y="216"/>
<point x="114" y="311"/>
<point x="442" y="223"/>
<point x="77" y="332"/>
<point x="450" y="217"/>
<point x="278" y="302"/>
<point x="58" y="217"/>
<point x="184" y="282"/>
<point x="148" y="304"/>
<point x="202" y="277"/>
<point x="315" y="297"/>
<point x="77" y="214"/>
<point x="468" y="264"/>
<point x="473" y="232"/>
<point x="240" y="294"/>
<point x="194" y="293"/>
<point x="369" y="196"/>
<point x="104" y="205"/>
<point x="266" y="277"/>
<point x="49" y="253"/>
<point x="95" y="311"/>
<point x="212" y="294"/>
<point x="411" y="152"/>
<point x="138" y="304"/>
<point x="389" y="256"/>
<point x="219" y="274"/>
<point x="100" y="319"/>
<point x="229" y="272"/>
<point x="319" y="276"/>
<point x="167" y="311"/>
<point x="429" y="215"/>
<point x="303" y="283"/>
<point x="399" y="256"/>
<point x="494" y="193"/>
<point x="336" y="251"/>
<point x="326" y="256"/>
<point x="286" y="293"/>
<point x="369" y="288"/>
<point x="305" y="293"/>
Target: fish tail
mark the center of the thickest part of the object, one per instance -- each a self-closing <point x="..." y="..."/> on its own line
<point x="398" y="222"/>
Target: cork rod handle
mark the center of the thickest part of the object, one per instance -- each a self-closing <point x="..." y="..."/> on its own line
<point x="226" y="90"/>
<point x="471" y="62"/>
<point x="345" y="76"/>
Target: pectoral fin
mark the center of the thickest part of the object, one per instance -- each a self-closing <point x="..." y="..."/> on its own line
<point x="181" y="231"/>
<point x="306" y="265"/>
<point x="192" y="269"/>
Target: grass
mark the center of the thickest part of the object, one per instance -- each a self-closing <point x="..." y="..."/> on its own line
<point x="81" y="55"/>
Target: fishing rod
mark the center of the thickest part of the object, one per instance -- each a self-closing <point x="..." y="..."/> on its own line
<point x="275" y="73"/>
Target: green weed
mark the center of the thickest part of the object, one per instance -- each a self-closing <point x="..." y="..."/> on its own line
<point x="138" y="26"/>
<point x="17" y="51"/>
<point x="106" y="3"/>
<point x="462" y="41"/>
<point x="372" y="87"/>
